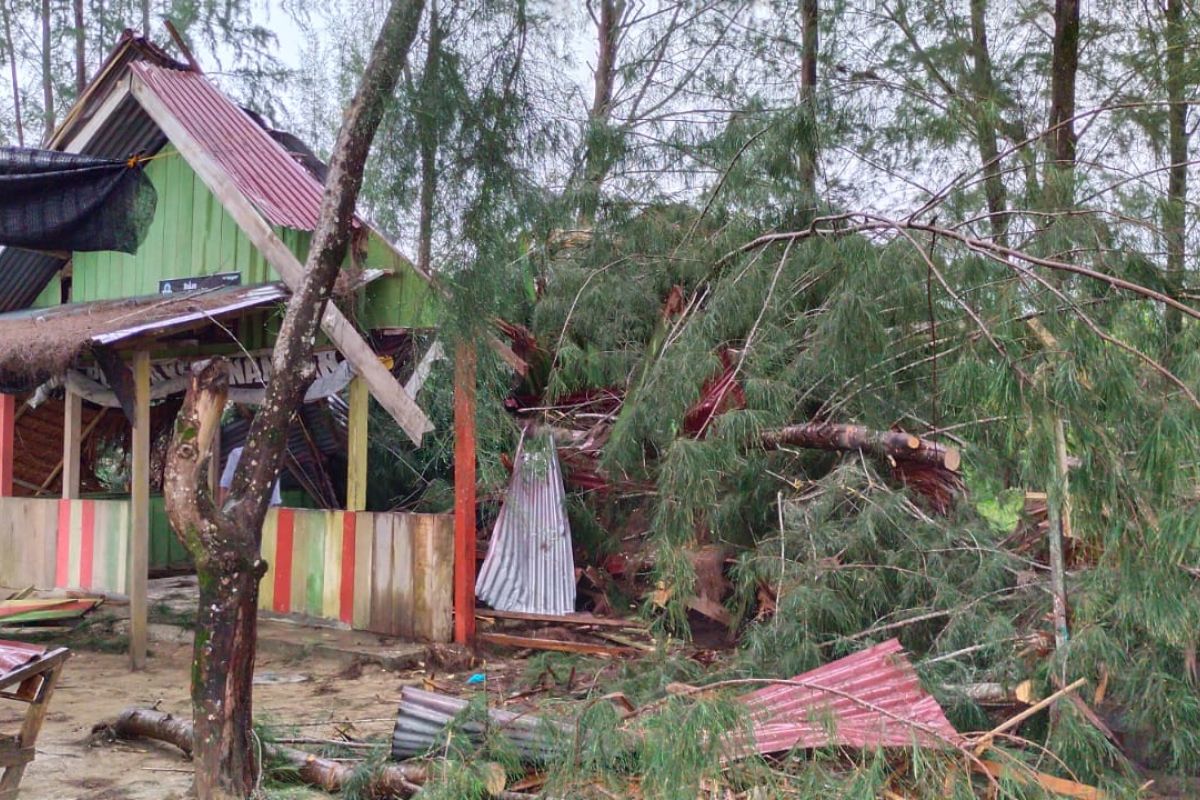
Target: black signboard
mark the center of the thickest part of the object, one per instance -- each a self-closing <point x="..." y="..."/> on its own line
<point x="218" y="281"/>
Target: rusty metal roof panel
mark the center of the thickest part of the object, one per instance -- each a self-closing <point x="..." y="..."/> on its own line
<point x="870" y="699"/>
<point x="14" y="655"/>
<point x="529" y="565"/>
<point x="283" y="190"/>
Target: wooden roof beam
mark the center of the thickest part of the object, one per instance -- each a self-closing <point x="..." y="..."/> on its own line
<point x="383" y="385"/>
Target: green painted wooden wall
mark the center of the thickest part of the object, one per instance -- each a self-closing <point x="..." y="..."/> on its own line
<point x="192" y="235"/>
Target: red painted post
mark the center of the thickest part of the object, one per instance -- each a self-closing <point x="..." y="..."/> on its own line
<point x="8" y="423"/>
<point x="464" y="495"/>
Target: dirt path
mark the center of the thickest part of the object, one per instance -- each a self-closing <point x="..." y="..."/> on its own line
<point x="97" y="686"/>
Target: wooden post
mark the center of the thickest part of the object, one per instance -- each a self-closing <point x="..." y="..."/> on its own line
<point x="356" y="450"/>
<point x="8" y="424"/>
<point x="464" y="494"/>
<point x="72" y="441"/>
<point x="139" y="534"/>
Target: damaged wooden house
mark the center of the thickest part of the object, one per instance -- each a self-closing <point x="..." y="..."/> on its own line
<point x="95" y="345"/>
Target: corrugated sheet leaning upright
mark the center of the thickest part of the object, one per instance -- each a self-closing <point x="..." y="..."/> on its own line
<point x="529" y="565"/>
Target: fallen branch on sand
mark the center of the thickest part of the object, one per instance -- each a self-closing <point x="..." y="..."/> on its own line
<point x="392" y="780"/>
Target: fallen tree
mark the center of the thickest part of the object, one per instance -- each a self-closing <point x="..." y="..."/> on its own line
<point x="224" y="538"/>
<point x="401" y="780"/>
<point x="895" y="445"/>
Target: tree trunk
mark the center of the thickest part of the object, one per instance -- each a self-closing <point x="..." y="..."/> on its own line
<point x="597" y="157"/>
<point x="1059" y="189"/>
<point x="11" y="47"/>
<point x="891" y="444"/>
<point x="80" y="51"/>
<point x="1175" y="211"/>
<point x="427" y="136"/>
<point x="985" y="125"/>
<point x="47" y="74"/>
<point x="1064" y="64"/>
<point x="146" y="18"/>
<point x="224" y="542"/>
<point x="810" y="19"/>
<point x="392" y="780"/>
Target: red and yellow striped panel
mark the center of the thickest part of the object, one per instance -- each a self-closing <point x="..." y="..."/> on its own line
<point x="93" y="545"/>
<point x="360" y="568"/>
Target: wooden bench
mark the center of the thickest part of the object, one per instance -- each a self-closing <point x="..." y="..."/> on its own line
<point x="34" y="680"/>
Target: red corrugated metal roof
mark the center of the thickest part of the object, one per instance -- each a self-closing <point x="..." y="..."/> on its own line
<point x="17" y="654"/>
<point x="285" y="193"/>
<point x="870" y="699"/>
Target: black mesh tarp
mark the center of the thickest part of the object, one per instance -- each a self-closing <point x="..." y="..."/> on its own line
<point x="62" y="201"/>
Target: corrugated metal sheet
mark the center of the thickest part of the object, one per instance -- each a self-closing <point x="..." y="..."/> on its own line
<point x="529" y="566"/>
<point x="199" y="309"/>
<point x="870" y="699"/>
<point x="283" y="190"/>
<point x="423" y="717"/>
<point x="316" y="450"/>
<point x="14" y="655"/>
<point x="23" y="274"/>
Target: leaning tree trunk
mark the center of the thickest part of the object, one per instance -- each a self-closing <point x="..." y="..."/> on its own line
<point x="224" y="542"/>
<point x="228" y="568"/>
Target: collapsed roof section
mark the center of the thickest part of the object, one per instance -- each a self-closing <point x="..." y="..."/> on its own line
<point x="44" y="343"/>
<point x="109" y="122"/>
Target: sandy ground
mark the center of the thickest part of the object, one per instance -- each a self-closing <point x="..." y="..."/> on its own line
<point x="97" y="686"/>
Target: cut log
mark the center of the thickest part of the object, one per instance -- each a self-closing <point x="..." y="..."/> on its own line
<point x="393" y="780"/>
<point x="896" y="445"/>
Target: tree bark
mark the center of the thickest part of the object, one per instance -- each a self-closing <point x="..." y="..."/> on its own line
<point x="146" y="18"/>
<point x="80" y="50"/>
<point x="47" y="74"/>
<point x="1059" y="189"/>
<point x="891" y="444"/>
<point x="1175" y="211"/>
<point x="11" y="47"/>
<point x="427" y="137"/>
<point x="1064" y="64"/>
<point x="596" y="150"/>
<point x="224" y="541"/>
<point x="810" y="20"/>
<point x="985" y="125"/>
<point x="393" y="780"/>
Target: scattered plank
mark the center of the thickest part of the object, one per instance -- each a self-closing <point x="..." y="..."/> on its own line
<point x="566" y="619"/>
<point x="582" y="648"/>
<point x="985" y="741"/>
<point x="1059" y="786"/>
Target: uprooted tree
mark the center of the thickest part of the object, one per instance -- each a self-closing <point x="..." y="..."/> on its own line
<point x="224" y="539"/>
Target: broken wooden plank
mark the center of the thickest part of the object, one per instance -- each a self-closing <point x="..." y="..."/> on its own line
<point x="1059" y="786"/>
<point x="566" y="619"/>
<point x="534" y="643"/>
<point x="341" y="332"/>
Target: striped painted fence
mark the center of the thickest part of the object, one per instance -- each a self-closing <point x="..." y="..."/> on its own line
<point x="67" y="544"/>
<point x="385" y="572"/>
